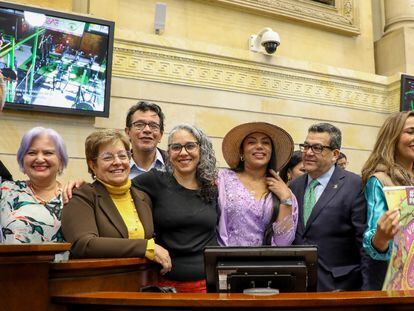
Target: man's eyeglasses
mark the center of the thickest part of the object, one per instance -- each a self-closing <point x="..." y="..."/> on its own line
<point x="316" y="148"/>
<point x="110" y="157"/>
<point x="140" y="125"/>
<point x="189" y="147"/>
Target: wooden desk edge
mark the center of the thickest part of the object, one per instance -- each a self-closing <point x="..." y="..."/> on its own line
<point x="237" y="300"/>
<point x="6" y="249"/>
<point x="99" y="263"/>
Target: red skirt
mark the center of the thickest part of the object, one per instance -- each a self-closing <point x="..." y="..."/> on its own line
<point x="184" y="286"/>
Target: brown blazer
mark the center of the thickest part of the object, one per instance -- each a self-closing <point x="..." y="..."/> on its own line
<point x="92" y="223"/>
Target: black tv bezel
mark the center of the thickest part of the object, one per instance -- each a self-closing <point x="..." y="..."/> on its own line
<point x="212" y="254"/>
<point x="405" y="81"/>
<point x="82" y="18"/>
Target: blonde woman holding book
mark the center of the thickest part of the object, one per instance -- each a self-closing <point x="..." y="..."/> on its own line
<point x="390" y="164"/>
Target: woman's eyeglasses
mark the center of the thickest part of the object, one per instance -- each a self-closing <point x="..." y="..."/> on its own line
<point x="110" y="157"/>
<point x="189" y="147"/>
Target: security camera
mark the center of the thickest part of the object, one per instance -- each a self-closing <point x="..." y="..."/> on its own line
<point x="267" y="38"/>
<point x="270" y="40"/>
<point x="271" y="46"/>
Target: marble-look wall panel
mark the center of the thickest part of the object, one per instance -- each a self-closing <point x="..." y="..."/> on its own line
<point x="201" y="72"/>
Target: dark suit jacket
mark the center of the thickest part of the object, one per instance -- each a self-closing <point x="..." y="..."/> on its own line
<point x="92" y="223"/>
<point x="4" y="172"/>
<point x="336" y="226"/>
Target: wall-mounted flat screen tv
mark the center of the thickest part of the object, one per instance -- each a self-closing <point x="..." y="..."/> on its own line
<point x="62" y="61"/>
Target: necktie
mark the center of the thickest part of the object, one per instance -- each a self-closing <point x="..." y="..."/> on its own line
<point x="309" y="200"/>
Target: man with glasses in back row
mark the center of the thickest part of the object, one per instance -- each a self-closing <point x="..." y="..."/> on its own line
<point x="332" y="212"/>
<point x="145" y="126"/>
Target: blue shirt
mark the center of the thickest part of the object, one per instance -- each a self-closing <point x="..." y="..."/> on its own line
<point x="157" y="164"/>
<point x="323" y="182"/>
<point x="376" y="206"/>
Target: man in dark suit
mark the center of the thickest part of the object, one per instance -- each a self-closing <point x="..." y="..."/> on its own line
<point x="332" y="212"/>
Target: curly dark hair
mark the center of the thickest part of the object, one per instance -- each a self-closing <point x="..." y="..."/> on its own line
<point x="206" y="172"/>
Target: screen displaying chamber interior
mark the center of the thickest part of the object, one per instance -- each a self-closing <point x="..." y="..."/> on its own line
<point x="59" y="62"/>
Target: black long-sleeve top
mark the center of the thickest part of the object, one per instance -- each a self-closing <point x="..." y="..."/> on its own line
<point x="183" y="223"/>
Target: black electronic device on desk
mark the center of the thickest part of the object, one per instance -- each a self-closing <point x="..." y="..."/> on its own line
<point x="261" y="270"/>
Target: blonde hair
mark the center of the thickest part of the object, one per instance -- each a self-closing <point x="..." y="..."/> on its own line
<point x="385" y="146"/>
<point x="103" y="137"/>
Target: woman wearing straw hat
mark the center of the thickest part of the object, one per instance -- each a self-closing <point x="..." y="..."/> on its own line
<point x="256" y="207"/>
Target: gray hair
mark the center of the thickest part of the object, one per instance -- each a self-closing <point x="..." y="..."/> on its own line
<point x="334" y="133"/>
<point x="206" y="172"/>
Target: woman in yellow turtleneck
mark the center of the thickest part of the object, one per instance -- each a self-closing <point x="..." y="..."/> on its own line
<point x="108" y="218"/>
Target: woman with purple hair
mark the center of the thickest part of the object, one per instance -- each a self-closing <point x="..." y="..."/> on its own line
<point x="30" y="210"/>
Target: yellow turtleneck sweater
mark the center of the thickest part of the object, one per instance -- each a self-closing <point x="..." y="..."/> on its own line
<point x="121" y="196"/>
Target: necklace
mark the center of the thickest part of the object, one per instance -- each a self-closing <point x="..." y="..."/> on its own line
<point x="57" y="191"/>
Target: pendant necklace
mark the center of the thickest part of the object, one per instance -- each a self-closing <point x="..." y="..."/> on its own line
<point x="58" y="190"/>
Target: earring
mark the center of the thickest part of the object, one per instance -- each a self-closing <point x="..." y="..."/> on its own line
<point x="241" y="158"/>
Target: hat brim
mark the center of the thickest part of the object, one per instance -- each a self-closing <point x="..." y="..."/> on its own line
<point x="282" y="142"/>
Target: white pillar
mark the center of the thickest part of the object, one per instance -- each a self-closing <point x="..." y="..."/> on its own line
<point x="398" y="14"/>
<point x="394" y="52"/>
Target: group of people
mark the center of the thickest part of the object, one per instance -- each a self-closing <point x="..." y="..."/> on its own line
<point x="169" y="205"/>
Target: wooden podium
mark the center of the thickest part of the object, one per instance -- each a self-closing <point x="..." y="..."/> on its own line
<point x="29" y="280"/>
<point x="24" y="273"/>
<point x="109" y="274"/>
<point x="29" y="277"/>
<point x="338" y="301"/>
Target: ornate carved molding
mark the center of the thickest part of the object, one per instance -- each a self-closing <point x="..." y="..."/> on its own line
<point x="341" y="18"/>
<point x="152" y="63"/>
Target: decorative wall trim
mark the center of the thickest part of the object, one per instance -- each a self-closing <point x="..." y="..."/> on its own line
<point x="151" y="63"/>
<point x="341" y="18"/>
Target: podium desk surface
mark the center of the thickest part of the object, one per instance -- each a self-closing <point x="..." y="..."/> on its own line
<point x="363" y="300"/>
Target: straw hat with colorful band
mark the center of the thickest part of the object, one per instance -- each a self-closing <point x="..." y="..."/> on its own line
<point x="282" y="142"/>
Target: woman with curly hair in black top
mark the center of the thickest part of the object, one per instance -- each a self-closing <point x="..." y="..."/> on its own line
<point x="184" y="199"/>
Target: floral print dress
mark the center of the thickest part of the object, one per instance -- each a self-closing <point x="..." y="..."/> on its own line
<point x="25" y="220"/>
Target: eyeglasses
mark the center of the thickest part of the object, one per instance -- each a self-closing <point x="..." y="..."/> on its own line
<point x="140" y="125"/>
<point x="189" y="147"/>
<point x="316" y="148"/>
<point x="110" y="157"/>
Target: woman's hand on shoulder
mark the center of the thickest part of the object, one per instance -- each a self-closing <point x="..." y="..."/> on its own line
<point x="68" y="188"/>
<point x="163" y="258"/>
<point x="276" y="185"/>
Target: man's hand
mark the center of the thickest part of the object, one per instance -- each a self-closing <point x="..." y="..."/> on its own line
<point x="68" y="188"/>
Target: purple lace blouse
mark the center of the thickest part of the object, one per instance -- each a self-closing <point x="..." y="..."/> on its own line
<point x="243" y="219"/>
